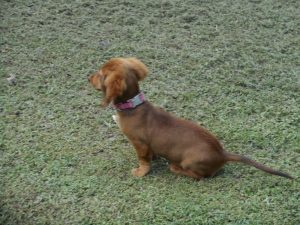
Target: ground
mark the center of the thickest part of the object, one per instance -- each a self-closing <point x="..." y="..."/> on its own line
<point x="232" y="66"/>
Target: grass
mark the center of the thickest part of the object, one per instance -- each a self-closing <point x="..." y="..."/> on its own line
<point x="232" y="66"/>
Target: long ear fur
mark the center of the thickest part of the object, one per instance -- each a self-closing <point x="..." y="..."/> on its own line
<point x="138" y="68"/>
<point x="115" y="85"/>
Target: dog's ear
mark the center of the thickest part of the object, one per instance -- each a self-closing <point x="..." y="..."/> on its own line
<point x="114" y="86"/>
<point x="138" y="68"/>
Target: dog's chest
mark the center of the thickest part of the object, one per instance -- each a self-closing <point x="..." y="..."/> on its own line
<point x="130" y="126"/>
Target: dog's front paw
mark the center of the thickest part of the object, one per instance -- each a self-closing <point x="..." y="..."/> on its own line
<point x="141" y="171"/>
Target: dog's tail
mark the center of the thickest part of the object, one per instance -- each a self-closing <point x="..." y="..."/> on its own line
<point x="238" y="158"/>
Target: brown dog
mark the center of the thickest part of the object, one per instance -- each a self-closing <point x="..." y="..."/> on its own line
<point x="191" y="150"/>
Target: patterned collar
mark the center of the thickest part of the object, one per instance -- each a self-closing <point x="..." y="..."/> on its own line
<point x="131" y="103"/>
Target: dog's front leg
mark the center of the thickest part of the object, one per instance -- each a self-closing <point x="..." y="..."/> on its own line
<point x="144" y="155"/>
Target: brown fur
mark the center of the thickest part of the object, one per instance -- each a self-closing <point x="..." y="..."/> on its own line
<point x="192" y="150"/>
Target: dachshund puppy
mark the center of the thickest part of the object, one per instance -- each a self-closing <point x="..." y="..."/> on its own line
<point x="191" y="150"/>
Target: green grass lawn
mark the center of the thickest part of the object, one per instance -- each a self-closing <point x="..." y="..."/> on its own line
<point x="232" y="66"/>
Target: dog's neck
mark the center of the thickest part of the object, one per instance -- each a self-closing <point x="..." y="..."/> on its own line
<point x="129" y="103"/>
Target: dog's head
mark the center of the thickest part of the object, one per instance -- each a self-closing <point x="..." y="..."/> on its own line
<point x="118" y="78"/>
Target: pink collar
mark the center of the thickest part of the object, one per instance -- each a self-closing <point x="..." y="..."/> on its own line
<point x="131" y="103"/>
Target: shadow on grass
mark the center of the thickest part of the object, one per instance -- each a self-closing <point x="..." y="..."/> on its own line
<point x="7" y="216"/>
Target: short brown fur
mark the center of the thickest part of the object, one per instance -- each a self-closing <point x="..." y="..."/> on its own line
<point x="192" y="150"/>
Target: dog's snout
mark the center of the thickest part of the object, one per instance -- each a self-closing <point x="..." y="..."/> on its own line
<point x="89" y="77"/>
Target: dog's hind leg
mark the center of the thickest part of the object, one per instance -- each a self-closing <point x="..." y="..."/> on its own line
<point x="186" y="172"/>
